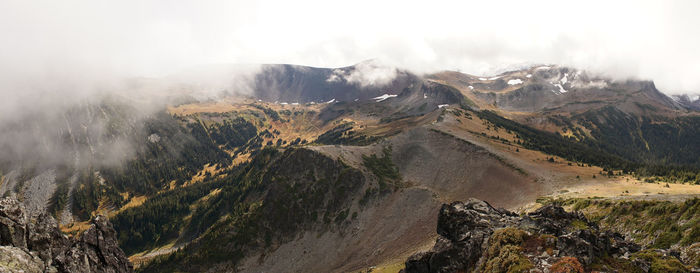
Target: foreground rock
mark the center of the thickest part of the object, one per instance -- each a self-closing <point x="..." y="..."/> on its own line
<point x="475" y="237"/>
<point x="35" y="244"/>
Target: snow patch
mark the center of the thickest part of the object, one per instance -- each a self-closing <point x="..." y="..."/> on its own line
<point x="331" y="101"/>
<point x="528" y="76"/>
<point x="494" y="78"/>
<point x="561" y="88"/>
<point x="471" y="87"/>
<point x="283" y="103"/>
<point x="564" y="79"/>
<point x="443" y="105"/>
<point x="384" y="97"/>
<point x="483" y="79"/>
<point x="295" y="103"/>
<point x="515" y="81"/>
<point x="425" y="96"/>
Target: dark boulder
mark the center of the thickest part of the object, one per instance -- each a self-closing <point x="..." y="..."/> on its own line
<point x="28" y="244"/>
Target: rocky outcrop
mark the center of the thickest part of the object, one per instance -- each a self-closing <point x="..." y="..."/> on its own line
<point x="35" y="244"/>
<point x="475" y="237"/>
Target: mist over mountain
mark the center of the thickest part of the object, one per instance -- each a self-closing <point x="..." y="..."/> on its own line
<point x="367" y="136"/>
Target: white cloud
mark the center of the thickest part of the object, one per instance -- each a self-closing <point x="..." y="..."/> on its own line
<point x="367" y="73"/>
<point x="82" y="43"/>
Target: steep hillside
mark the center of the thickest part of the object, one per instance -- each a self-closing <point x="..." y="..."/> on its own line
<point x="370" y="211"/>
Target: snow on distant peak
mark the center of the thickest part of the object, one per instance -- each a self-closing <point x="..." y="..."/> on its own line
<point x="384" y="97"/>
<point x="694" y="98"/>
<point x="490" y="79"/>
<point x="564" y="79"/>
<point x="515" y="81"/>
<point x="561" y="88"/>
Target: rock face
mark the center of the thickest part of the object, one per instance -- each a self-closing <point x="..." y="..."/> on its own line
<point x="475" y="237"/>
<point x="35" y="244"/>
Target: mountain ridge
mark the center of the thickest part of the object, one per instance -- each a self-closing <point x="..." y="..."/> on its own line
<point x="204" y="181"/>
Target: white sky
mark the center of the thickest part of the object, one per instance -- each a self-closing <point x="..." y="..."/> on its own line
<point x="79" y="42"/>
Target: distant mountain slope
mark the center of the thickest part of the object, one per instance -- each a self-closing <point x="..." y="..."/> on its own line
<point x="688" y="101"/>
<point x="302" y="84"/>
<point x="559" y="89"/>
<point x="630" y="119"/>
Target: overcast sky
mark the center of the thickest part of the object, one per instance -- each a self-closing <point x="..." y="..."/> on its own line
<point x="78" y="43"/>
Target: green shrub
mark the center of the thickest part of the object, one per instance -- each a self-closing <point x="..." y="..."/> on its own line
<point x="660" y="263"/>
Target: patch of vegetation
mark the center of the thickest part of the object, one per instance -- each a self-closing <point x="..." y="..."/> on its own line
<point x="264" y="203"/>
<point x="579" y="225"/>
<point x="509" y="259"/>
<point x="269" y="112"/>
<point x="567" y="265"/>
<point x="232" y="133"/>
<point x="653" y="224"/>
<point x="387" y="173"/>
<point x="344" y="134"/>
<point x="505" y="253"/>
<point x="646" y="153"/>
<point x="605" y="263"/>
<point x="59" y="199"/>
<point x="180" y="152"/>
<point x="89" y="192"/>
<point x="660" y="263"/>
<point x="159" y="220"/>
